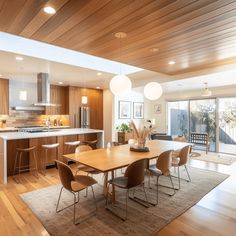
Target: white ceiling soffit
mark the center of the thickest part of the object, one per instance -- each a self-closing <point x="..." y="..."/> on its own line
<point x="33" y="48"/>
<point x="220" y="79"/>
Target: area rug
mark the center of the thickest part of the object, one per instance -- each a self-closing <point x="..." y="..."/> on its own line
<point x="218" y="158"/>
<point x="141" y="220"/>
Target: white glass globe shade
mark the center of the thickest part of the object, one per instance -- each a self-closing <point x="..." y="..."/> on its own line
<point x="120" y="84"/>
<point x="152" y="91"/>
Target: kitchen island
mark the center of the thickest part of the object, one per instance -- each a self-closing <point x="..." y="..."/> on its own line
<point x="9" y="141"/>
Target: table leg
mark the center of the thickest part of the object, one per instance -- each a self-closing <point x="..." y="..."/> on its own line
<point x="108" y="194"/>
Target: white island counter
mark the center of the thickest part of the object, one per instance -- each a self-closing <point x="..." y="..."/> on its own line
<point x="10" y="140"/>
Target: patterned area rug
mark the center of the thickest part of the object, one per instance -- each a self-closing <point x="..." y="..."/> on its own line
<point x="141" y="220"/>
<point x="218" y="158"/>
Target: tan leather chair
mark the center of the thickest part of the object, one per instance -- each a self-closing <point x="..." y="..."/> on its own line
<point x="162" y="167"/>
<point x="81" y="167"/>
<point x="74" y="184"/>
<point x="133" y="177"/>
<point x="182" y="160"/>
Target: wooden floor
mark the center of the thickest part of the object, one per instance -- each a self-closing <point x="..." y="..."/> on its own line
<point x="214" y="215"/>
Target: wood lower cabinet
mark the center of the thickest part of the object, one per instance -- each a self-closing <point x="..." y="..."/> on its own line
<point x="4" y="93"/>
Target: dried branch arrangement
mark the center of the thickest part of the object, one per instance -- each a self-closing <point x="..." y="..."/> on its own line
<point x="142" y="132"/>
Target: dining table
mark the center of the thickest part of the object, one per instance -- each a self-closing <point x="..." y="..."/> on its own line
<point x="116" y="157"/>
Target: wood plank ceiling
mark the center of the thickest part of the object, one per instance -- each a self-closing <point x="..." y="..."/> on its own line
<point x="196" y="34"/>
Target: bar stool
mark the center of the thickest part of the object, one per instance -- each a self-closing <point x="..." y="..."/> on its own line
<point x="19" y="152"/>
<point x="72" y="144"/>
<point x="92" y="144"/>
<point x="47" y="147"/>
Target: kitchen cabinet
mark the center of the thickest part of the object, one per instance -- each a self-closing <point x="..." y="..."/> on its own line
<point x="58" y="95"/>
<point x="4" y="91"/>
<point x="95" y="103"/>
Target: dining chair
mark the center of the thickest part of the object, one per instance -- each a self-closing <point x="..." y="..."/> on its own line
<point x="74" y="184"/>
<point x="88" y="170"/>
<point x="81" y="167"/>
<point x="133" y="177"/>
<point x="181" y="160"/>
<point x="162" y="167"/>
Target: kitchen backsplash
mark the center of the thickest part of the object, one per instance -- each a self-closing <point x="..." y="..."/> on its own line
<point x="30" y="118"/>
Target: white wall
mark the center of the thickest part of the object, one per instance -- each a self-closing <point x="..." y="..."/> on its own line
<point x="111" y="111"/>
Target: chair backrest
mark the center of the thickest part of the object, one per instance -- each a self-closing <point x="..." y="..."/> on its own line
<point x="184" y="155"/>
<point x="83" y="148"/>
<point x="66" y="175"/>
<point x="163" y="162"/>
<point x="135" y="172"/>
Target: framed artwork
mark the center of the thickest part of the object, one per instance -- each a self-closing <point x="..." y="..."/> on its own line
<point x="157" y="109"/>
<point x="138" y="110"/>
<point x="124" y="110"/>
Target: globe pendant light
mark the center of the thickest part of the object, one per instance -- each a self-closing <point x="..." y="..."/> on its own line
<point x="152" y="91"/>
<point x="120" y="84"/>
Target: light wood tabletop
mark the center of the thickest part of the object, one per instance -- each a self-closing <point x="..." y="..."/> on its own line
<point x="117" y="157"/>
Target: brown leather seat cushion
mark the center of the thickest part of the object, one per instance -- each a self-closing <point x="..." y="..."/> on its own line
<point x="121" y="182"/>
<point x="81" y="182"/>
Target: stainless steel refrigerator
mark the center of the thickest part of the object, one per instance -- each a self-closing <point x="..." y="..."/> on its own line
<point x="84" y="117"/>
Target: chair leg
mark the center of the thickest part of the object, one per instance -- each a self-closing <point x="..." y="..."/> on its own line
<point x="157" y="190"/>
<point x="59" y="199"/>
<point x="20" y="160"/>
<point x="94" y="198"/>
<point x="126" y="205"/>
<point x="145" y="193"/>
<point x="15" y="164"/>
<point x="36" y="165"/>
<point x="187" y="173"/>
<point x="178" y="178"/>
<point x="149" y="177"/>
<point x="74" y="208"/>
<point x="172" y="185"/>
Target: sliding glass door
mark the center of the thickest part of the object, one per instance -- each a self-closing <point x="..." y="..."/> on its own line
<point x="203" y="119"/>
<point x="227" y="125"/>
<point x="178" y="121"/>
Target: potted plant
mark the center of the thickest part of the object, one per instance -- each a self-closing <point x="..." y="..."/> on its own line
<point x="124" y="133"/>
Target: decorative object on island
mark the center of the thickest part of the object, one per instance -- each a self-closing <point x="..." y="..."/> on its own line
<point x="120" y="84"/>
<point x="152" y="91"/>
<point x="138" y="110"/>
<point x="142" y="135"/>
<point x="124" y="110"/>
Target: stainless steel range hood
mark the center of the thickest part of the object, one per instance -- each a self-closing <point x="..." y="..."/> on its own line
<point x="43" y="88"/>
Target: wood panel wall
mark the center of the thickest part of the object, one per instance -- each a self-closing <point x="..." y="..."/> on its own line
<point x="95" y="102"/>
<point x="4" y="96"/>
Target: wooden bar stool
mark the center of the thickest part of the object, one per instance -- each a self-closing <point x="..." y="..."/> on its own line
<point x="47" y="147"/>
<point x="20" y="168"/>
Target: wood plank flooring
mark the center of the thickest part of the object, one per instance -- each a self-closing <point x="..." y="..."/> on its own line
<point x="214" y="215"/>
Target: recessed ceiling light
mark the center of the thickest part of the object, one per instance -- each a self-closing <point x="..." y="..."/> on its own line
<point x="120" y="35"/>
<point x="18" y="58"/>
<point x="154" y="49"/>
<point x="60" y="82"/>
<point x="49" y="10"/>
<point x="99" y="73"/>
<point x="171" y="62"/>
<point x="97" y="87"/>
<point x="0" y="75"/>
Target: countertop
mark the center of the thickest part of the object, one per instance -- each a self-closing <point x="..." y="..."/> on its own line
<point x="51" y="133"/>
